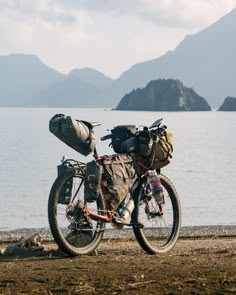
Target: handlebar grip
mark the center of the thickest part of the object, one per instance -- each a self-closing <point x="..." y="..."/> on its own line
<point x="108" y="136"/>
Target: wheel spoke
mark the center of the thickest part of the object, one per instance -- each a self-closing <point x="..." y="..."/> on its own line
<point x="72" y="229"/>
<point x="161" y="223"/>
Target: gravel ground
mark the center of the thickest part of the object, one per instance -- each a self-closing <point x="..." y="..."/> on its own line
<point x="202" y="266"/>
<point x="185" y="232"/>
<point x="202" y="262"/>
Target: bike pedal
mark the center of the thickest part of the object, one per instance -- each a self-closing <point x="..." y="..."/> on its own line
<point x="119" y="220"/>
<point x="117" y="225"/>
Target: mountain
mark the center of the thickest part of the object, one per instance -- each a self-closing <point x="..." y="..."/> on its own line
<point x="68" y="92"/>
<point x="229" y="104"/>
<point x="21" y="76"/>
<point x="92" y="76"/>
<point x="164" y="95"/>
<point x="80" y="88"/>
<point x="25" y="81"/>
<point x="204" y="61"/>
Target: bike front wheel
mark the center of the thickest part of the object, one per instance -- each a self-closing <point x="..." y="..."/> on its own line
<point x="156" y="227"/>
<point x="73" y="231"/>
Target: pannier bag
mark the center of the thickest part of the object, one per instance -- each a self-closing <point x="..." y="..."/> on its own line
<point x="76" y="134"/>
<point x="65" y="192"/>
<point x="156" y="152"/>
<point x="118" y="177"/>
<point x="92" y="181"/>
<point x="123" y="138"/>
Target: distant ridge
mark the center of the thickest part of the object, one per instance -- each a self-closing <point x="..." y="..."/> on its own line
<point x="80" y="88"/>
<point x="92" y="76"/>
<point x="21" y="76"/>
<point x="204" y="62"/>
<point x="68" y="92"/>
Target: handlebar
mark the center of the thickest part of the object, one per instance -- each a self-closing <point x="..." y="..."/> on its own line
<point x="155" y="126"/>
<point x="105" y="137"/>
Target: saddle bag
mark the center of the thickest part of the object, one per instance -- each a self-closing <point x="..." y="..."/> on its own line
<point x="76" y="134"/>
<point x="156" y="151"/>
<point x="118" y="177"/>
<point x="123" y="138"/>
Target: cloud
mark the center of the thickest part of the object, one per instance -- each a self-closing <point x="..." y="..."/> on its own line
<point x="178" y="13"/>
<point x="185" y="13"/>
<point x="44" y="10"/>
<point x="24" y="22"/>
<point x="108" y="35"/>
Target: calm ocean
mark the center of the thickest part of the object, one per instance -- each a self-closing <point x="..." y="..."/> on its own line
<point x="202" y="170"/>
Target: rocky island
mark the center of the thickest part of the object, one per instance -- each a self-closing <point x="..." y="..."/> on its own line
<point x="229" y="104"/>
<point x="164" y="95"/>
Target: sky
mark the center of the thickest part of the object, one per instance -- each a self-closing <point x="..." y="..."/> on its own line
<point x="107" y="35"/>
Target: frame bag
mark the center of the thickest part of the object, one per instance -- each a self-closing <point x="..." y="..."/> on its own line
<point x="118" y="177"/>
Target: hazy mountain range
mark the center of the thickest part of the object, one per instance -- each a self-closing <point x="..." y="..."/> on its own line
<point x="204" y="61"/>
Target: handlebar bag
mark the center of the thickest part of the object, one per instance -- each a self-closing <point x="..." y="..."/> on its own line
<point x="145" y="144"/>
<point x="118" y="177"/>
<point x="119" y="135"/>
<point x="76" y="134"/>
<point x="158" y="152"/>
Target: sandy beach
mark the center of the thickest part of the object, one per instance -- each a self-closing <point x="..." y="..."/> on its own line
<point x="199" y="264"/>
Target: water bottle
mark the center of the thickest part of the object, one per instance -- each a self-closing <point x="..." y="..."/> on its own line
<point x="148" y="192"/>
<point x="125" y="209"/>
<point x="156" y="188"/>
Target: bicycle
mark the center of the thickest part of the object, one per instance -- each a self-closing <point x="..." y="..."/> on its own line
<point x="78" y="226"/>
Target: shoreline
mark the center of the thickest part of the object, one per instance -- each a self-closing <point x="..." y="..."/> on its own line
<point x="204" y="231"/>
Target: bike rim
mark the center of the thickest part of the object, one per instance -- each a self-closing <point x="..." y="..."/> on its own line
<point x="159" y="225"/>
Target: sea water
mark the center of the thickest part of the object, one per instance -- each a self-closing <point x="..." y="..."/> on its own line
<point x="202" y="170"/>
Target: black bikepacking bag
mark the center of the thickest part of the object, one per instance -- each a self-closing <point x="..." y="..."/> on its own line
<point x="123" y="138"/>
<point x="92" y="181"/>
<point x="76" y="134"/>
<point x="66" y="190"/>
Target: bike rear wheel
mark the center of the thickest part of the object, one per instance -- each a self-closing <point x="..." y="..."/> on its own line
<point x="73" y="231"/>
<point x="156" y="227"/>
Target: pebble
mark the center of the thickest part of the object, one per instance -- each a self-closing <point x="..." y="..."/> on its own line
<point x="185" y="232"/>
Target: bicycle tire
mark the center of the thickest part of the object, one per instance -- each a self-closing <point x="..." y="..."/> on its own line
<point x="152" y="237"/>
<point x="79" y="240"/>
